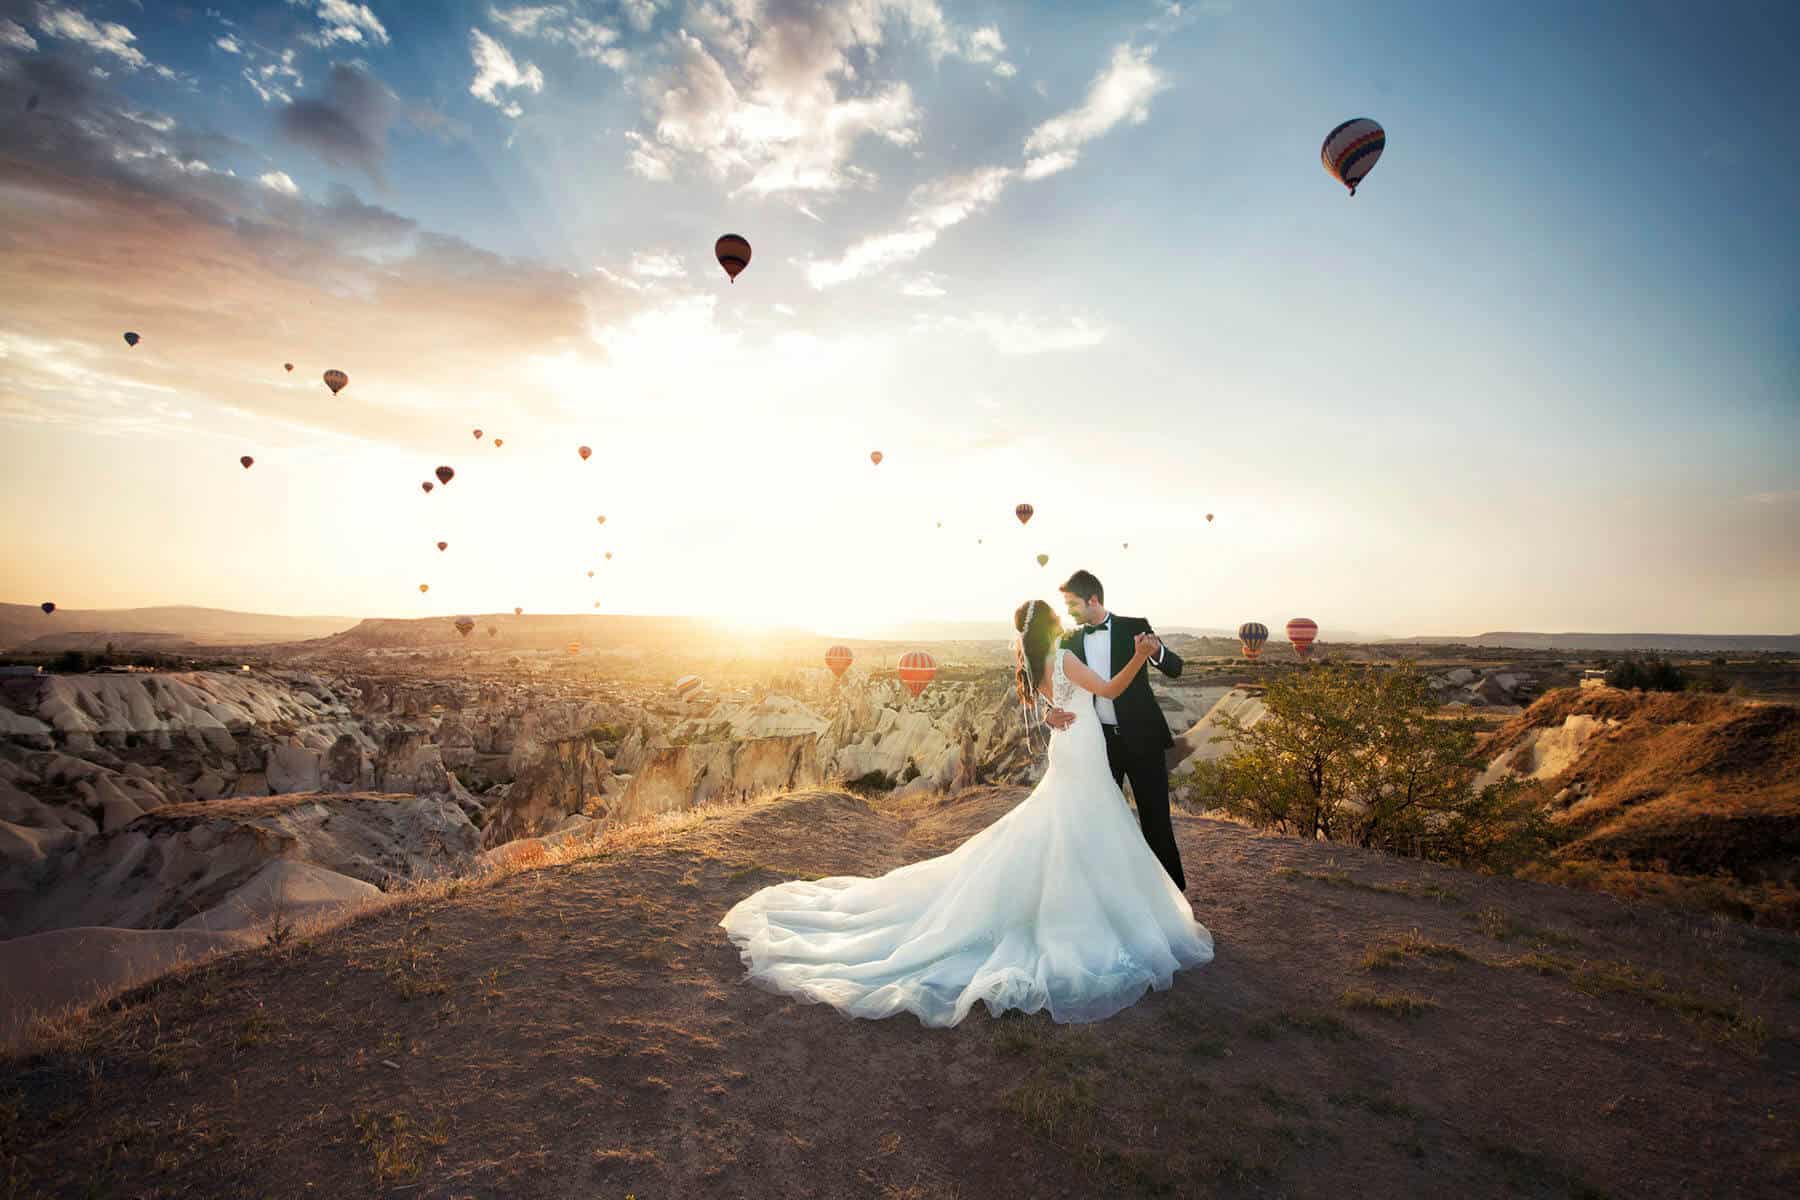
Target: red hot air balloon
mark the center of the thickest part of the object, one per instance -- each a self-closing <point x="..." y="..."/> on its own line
<point x="428" y="485"/>
<point x="1023" y="512"/>
<point x="477" y="434"/>
<point x="1351" y="150"/>
<point x="443" y="545"/>
<point x="590" y="574"/>
<point x="1253" y="634"/>
<point x="289" y="367"/>
<point x="1302" y="631"/>
<point x="336" y="380"/>
<point x="584" y="451"/>
<point x="839" y="658"/>
<point x="733" y="253"/>
<point x="875" y="457"/>
<point x="132" y="339"/>
<point x="246" y="462"/>
<point x="48" y="607"/>
<point x="445" y="474"/>
<point x="917" y="669"/>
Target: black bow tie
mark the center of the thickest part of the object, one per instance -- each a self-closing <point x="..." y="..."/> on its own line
<point x="1102" y="627"/>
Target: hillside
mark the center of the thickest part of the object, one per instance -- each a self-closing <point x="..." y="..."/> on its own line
<point x="26" y="627"/>
<point x="581" y="1029"/>
<point x="1689" y="796"/>
<point x="1619" y="643"/>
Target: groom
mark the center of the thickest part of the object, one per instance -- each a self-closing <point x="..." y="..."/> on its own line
<point x="1136" y="733"/>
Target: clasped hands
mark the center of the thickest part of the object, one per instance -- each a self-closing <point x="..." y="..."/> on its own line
<point x="1143" y="647"/>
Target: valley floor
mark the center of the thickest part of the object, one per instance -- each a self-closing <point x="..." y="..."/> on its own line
<point x="1370" y="1027"/>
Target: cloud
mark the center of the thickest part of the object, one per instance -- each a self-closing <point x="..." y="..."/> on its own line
<point x="936" y="207"/>
<point x="985" y="45"/>
<point x="1120" y="92"/>
<point x="102" y="37"/>
<point x="648" y="159"/>
<point x="775" y="90"/>
<point x="278" y="181"/>
<point x="641" y="13"/>
<point x="923" y="287"/>
<point x="495" y="68"/>
<point x="271" y="80"/>
<point x="1028" y="335"/>
<point x="658" y="266"/>
<point x="341" y="21"/>
<point x="14" y="37"/>
<point x="228" y="44"/>
<point x="557" y="24"/>
<point x="348" y="126"/>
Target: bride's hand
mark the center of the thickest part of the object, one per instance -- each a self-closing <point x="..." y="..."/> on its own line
<point x="1143" y="645"/>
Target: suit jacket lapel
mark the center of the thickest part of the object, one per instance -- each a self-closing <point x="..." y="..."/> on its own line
<point x="1121" y="644"/>
<point x="1078" y="643"/>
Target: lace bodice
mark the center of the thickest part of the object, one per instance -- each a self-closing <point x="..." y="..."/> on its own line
<point x="1062" y="689"/>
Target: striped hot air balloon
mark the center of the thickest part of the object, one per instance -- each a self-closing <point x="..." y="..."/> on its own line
<point x="336" y="380"/>
<point x="688" y="686"/>
<point x="1253" y="634"/>
<point x="1023" y="512"/>
<point x="574" y="647"/>
<point x="465" y="625"/>
<point x="445" y="474"/>
<point x="1351" y="150"/>
<point x="839" y="658"/>
<point x="428" y="485"/>
<point x="733" y="253"/>
<point x="1302" y="631"/>
<point x="917" y="669"/>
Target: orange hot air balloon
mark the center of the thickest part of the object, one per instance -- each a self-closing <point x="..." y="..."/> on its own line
<point x="1043" y="560"/>
<point x="445" y="474"/>
<point x="590" y="574"/>
<point x="875" y="457"/>
<point x="917" y="669"/>
<point x="477" y="434"/>
<point x="48" y="607"/>
<point x="574" y="647"/>
<point x="336" y="380"/>
<point x="423" y="588"/>
<point x="1303" y="631"/>
<point x="839" y="658"/>
<point x="499" y="442"/>
<point x="443" y="545"/>
<point x="246" y="462"/>
<point x="733" y="253"/>
<point x="518" y="612"/>
<point x="601" y="519"/>
<point x="428" y="485"/>
<point x="289" y="367"/>
<point x="584" y="451"/>
<point x="1023" y="512"/>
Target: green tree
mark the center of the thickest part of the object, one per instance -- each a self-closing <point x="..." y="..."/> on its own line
<point x="1360" y="755"/>
<point x="1654" y="674"/>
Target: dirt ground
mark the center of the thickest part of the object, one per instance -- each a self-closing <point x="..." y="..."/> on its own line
<point x="1370" y="1027"/>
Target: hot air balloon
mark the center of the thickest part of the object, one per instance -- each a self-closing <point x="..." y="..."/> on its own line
<point x="687" y="686"/>
<point x="465" y="625"/>
<point x="336" y="380"/>
<point x="428" y="485"/>
<point x="1043" y="560"/>
<point x="476" y="433"/>
<point x="424" y="587"/>
<point x="596" y="604"/>
<point x="443" y="545"/>
<point x="875" y="457"/>
<point x="1124" y="545"/>
<point x="444" y="474"/>
<point x="1253" y="634"/>
<point x="917" y="669"/>
<point x="518" y="612"/>
<point x="1302" y="631"/>
<point x="574" y="647"/>
<point x="131" y="339"/>
<point x="590" y="574"/>
<point x="601" y="519"/>
<point x="1351" y="151"/>
<point x="609" y="556"/>
<point x="289" y="367"/>
<point x="584" y="451"/>
<point x="1209" y="518"/>
<point x="48" y="607"/>
<point x="733" y="253"/>
<point x="499" y="442"/>
<point x="246" y="462"/>
<point x="1023" y="512"/>
<point x="492" y="630"/>
<point x="839" y="658"/>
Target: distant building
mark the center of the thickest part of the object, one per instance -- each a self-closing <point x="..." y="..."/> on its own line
<point x="1593" y="677"/>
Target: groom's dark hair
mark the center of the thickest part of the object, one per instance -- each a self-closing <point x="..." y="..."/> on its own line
<point x="1084" y="584"/>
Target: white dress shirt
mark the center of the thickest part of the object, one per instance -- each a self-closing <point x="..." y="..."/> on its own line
<point x="1098" y="646"/>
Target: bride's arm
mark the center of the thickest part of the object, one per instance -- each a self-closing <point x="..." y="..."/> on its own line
<point x="1107" y="689"/>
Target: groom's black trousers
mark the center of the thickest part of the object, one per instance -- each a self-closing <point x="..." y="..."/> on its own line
<point x="1149" y="775"/>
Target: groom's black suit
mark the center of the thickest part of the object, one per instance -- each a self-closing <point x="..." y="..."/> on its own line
<point x="1134" y="747"/>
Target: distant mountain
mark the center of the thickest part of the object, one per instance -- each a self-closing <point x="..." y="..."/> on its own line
<point x="1617" y="643"/>
<point x="25" y="627"/>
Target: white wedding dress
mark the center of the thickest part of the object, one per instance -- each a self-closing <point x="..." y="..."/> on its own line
<point x="1058" y="905"/>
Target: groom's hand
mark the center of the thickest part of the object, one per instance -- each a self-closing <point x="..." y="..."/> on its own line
<point x="1153" y="642"/>
<point x="1059" y="719"/>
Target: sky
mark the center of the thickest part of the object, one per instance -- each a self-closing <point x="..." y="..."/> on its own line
<point x="1541" y="372"/>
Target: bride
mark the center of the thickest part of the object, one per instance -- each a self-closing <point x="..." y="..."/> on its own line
<point x="1058" y="905"/>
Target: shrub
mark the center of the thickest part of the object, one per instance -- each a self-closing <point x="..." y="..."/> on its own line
<point x="1653" y="674"/>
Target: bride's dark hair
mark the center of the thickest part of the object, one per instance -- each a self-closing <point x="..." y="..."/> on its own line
<point x="1038" y="640"/>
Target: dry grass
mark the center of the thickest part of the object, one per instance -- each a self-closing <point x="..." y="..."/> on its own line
<point x="1412" y="891"/>
<point x="1413" y="946"/>
<point x="1393" y="1004"/>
